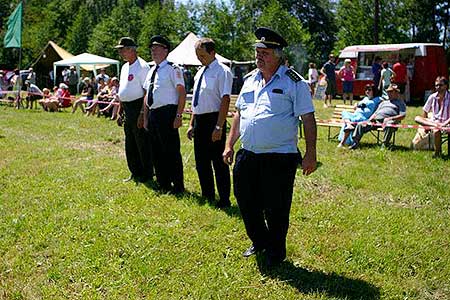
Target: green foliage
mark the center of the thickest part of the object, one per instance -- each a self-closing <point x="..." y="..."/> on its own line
<point x="80" y="32"/>
<point x="124" y="20"/>
<point x="167" y="20"/>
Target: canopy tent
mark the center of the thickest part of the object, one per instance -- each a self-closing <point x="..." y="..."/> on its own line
<point x="184" y="53"/>
<point x="87" y="61"/>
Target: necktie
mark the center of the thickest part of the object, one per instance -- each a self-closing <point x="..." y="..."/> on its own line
<point x="197" y="88"/>
<point x="150" y="89"/>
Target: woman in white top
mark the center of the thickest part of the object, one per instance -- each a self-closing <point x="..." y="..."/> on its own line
<point x="386" y="75"/>
<point x="313" y="76"/>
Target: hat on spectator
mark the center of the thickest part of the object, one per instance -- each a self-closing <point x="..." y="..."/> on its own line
<point x="160" y="40"/>
<point x="392" y="87"/>
<point x="63" y="86"/>
<point x="114" y="79"/>
<point x="267" y="38"/>
<point x="86" y="79"/>
<point x="125" y="42"/>
<point x="72" y="67"/>
<point x="347" y="60"/>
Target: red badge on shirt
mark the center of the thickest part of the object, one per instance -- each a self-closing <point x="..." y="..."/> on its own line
<point x="130" y="77"/>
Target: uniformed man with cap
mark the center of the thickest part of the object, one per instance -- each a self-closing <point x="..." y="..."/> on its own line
<point x="269" y="104"/>
<point x="211" y="98"/>
<point x="164" y="105"/>
<point x="131" y="95"/>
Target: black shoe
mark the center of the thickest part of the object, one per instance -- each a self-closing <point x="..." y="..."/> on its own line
<point x="223" y="204"/>
<point x="131" y="178"/>
<point x="250" y="251"/>
<point x="145" y="179"/>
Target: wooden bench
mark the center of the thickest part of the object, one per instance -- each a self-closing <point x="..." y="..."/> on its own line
<point x="336" y="122"/>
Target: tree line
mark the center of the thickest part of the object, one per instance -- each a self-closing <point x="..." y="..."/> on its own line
<point x="313" y="28"/>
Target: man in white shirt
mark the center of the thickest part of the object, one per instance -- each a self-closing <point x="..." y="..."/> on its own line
<point x="164" y="105"/>
<point x="211" y="99"/>
<point x="131" y="95"/>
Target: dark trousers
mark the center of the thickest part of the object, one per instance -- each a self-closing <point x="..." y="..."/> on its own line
<point x="166" y="148"/>
<point x="208" y="154"/>
<point x="263" y="185"/>
<point x="137" y="142"/>
<point x="360" y="130"/>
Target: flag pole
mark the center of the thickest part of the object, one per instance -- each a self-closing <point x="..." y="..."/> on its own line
<point x="20" y="55"/>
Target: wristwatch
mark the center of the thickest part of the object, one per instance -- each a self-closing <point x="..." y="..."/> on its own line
<point x="218" y="127"/>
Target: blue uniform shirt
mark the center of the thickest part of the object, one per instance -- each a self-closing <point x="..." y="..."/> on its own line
<point x="269" y="114"/>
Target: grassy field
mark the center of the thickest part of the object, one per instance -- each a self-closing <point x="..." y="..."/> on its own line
<point x="368" y="224"/>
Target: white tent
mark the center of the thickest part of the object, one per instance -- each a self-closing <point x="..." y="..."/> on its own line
<point x="88" y="62"/>
<point x="184" y="53"/>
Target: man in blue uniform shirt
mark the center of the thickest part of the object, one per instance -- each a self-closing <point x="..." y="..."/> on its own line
<point x="268" y="107"/>
<point x="164" y="105"/>
<point x="212" y="89"/>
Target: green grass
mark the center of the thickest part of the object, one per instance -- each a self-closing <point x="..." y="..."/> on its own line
<point x="368" y="224"/>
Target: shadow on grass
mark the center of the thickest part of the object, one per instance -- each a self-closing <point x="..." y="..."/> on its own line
<point x="312" y="282"/>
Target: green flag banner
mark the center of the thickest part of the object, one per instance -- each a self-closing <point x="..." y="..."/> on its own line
<point x="13" y="37"/>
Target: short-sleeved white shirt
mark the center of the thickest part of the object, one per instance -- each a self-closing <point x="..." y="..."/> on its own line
<point x="216" y="82"/>
<point x="440" y="113"/>
<point x="167" y="78"/>
<point x="132" y="78"/>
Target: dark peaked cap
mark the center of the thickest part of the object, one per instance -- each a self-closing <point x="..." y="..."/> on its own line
<point x="125" y="42"/>
<point x="160" y="40"/>
<point x="267" y="38"/>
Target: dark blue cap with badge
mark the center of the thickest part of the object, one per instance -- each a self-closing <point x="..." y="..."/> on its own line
<point x="267" y="38"/>
<point x="160" y="40"/>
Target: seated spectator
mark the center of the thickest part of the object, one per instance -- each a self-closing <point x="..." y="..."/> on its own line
<point x="87" y="95"/>
<point x="33" y="93"/>
<point x="113" y="98"/>
<point x="64" y="98"/>
<point x="389" y="112"/>
<point x="363" y="110"/>
<point x="102" y="96"/>
<point x="438" y="104"/>
<point x="49" y="102"/>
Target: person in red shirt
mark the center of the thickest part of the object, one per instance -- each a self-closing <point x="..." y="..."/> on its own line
<point x="401" y="76"/>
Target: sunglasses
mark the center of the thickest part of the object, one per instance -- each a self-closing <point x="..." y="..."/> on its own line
<point x="438" y="85"/>
<point x="368" y="90"/>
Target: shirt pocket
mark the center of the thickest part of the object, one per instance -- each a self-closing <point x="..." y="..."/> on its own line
<point x="209" y="82"/>
<point x="162" y="80"/>
<point x="280" y="103"/>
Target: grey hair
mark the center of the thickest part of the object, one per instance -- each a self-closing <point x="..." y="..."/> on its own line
<point x="279" y="53"/>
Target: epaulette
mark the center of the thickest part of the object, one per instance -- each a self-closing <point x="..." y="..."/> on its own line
<point x="292" y="74"/>
<point x="174" y="65"/>
<point x="250" y="74"/>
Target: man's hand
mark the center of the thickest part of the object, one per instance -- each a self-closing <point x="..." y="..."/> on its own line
<point x="216" y="135"/>
<point x="190" y="133"/>
<point x="228" y="155"/>
<point x="177" y="123"/>
<point x="309" y="164"/>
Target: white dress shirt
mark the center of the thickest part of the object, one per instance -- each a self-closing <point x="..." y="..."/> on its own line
<point x="167" y="78"/>
<point x="216" y="83"/>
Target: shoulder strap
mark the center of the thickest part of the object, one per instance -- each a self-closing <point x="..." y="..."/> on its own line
<point x="250" y="74"/>
<point x="293" y="75"/>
